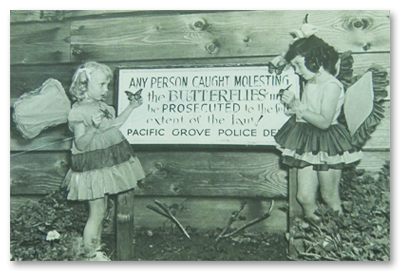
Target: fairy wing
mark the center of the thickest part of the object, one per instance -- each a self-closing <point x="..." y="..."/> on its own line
<point x="359" y="102"/>
<point x="44" y="107"/>
<point x="363" y="109"/>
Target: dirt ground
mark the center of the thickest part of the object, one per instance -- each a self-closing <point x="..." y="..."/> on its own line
<point x="159" y="245"/>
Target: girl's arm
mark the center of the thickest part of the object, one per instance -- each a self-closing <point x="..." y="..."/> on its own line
<point x="83" y="135"/>
<point x="328" y="108"/>
<point x="121" y="119"/>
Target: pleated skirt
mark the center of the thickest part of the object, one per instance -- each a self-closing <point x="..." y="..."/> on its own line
<point x="303" y="144"/>
<point x="103" y="172"/>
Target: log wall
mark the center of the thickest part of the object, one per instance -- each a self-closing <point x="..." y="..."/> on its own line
<point x="212" y="180"/>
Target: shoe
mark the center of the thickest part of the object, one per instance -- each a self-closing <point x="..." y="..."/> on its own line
<point x="100" y="257"/>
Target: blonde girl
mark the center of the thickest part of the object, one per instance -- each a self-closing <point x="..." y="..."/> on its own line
<point x="102" y="161"/>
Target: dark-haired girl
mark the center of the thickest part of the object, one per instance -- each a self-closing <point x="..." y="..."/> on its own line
<point x="312" y="140"/>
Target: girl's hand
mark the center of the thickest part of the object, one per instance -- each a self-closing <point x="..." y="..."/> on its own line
<point x="96" y="120"/>
<point x="289" y="112"/>
<point x="288" y="97"/>
<point x="136" y="102"/>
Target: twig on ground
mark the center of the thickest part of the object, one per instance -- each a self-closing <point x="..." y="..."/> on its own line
<point x="232" y="219"/>
<point x="251" y="223"/>
<point x="167" y="213"/>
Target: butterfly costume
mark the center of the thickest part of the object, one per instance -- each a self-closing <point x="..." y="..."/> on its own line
<point x="358" y="111"/>
<point x="108" y="165"/>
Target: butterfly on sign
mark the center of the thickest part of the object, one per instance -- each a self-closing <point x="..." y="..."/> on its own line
<point x="137" y="95"/>
<point x="275" y="69"/>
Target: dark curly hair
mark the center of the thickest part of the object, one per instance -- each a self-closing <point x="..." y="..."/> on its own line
<point x="316" y="52"/>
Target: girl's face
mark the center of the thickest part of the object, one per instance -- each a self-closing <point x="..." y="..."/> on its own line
<point x="298" y="63"/>
<point x="98" y="85"/>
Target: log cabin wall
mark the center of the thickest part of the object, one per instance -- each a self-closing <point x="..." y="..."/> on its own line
<point x="209" y="182"/>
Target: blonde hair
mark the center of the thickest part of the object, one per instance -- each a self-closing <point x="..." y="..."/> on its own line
<point x="82" y="76"/>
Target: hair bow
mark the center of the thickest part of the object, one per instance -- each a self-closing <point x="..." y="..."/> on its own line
<point x="305" y="31"/>
<point x="87" y="72"/>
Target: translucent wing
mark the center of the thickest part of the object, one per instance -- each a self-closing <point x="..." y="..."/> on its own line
<point x="363" y="108"/>
<point x="44" y="107"/>
<point x="359" y="103"/>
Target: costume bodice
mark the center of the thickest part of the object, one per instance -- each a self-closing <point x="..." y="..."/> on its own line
<point x="313" y="96"/>
<point x="82" y="112"/>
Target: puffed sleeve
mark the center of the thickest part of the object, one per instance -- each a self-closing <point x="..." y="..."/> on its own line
<point x="75" y="117"/>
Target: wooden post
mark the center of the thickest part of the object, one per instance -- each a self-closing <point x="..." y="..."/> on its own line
<point x="124" y="226"/>
<point x="295" y="210"/>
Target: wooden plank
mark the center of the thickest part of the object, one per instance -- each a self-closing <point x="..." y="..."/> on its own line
<point x="124" y="226"/>
<point x="39" y="43"/>
<point x="37" y="173"/>
<point x="23" y="16"/>
<point x="373" y="161"/>
<point x="213" y="173"/>
<point x="28" y="78"/>
<point x="19" y="16"/>
<point x="179" y="173"/>
<point x="228" y="34"/>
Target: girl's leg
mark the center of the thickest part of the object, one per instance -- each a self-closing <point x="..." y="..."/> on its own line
<point x="102" y="222"/>
<point x="94" y="223"/>
<point x="307" y="187"/>
<point x="330" y="186"/>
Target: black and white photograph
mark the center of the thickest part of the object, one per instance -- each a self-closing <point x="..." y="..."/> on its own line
<point x="200" y="135"/>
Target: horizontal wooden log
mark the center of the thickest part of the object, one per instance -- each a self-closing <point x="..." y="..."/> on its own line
<point x="199" y="35"/>
<point x="223" y="34"/>
<point x="177" y="173"/>
<point x="37" y="173"/>
<point x="214" y="174"/>
<point x="23" y="16"/>
<point x="200" y="213"/>
<point x="373" y="161"/>
<point x="40" y="43"/>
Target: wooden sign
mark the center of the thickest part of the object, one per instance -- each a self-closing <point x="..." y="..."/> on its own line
<point x="218" y="105"/>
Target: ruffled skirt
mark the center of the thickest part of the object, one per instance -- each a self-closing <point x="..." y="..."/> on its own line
<point x="303" y="144"/>
<point x="108" y="171"/>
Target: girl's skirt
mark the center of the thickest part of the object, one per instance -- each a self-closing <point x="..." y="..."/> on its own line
<point x="303" y="144"/>
<point x="103" y="172"/>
